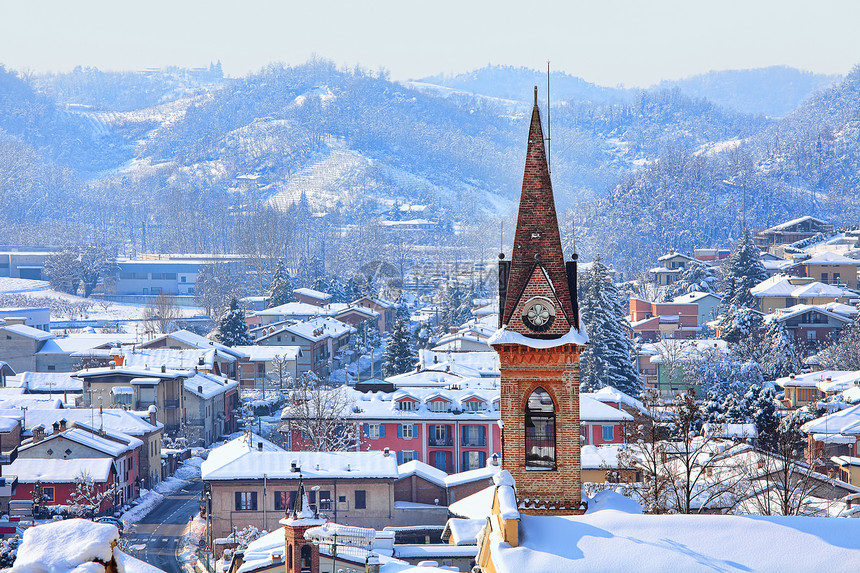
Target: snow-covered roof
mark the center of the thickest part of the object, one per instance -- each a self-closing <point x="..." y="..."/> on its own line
<point x="604" y="541"/>
<point x="611" y="394"/>
<point x="425" y="378"/>
<point x="463" y="531"/>
<point x="809" y="379"/>
<point x="820" y="290"/>
<point x="486" y="362"/>
<point x="311" y="293"/>
<point x="75" y="546"/>
<point x="778" y="286"/>
<point x="599" y="457"/>
<point x="82" y="342"/>
<point x="260" y="552"/>
<point x="51" y="382"/>
<point x="784" y="314"/>
<point x="422" y="470"/>
<point x="295" y="308"/>
<point x="846" y="422"/>
<point x="695" y="297"/>
<point x="318" y="329"/>
<point x="485" y="473"/>
<point x="475" y="506"/>
<point x="383" y="405"/>
<point x="58" y="471"/>
<point x="793" y="222"/>
<point x="674" y="255"/>
<point x="111" y="443"/>
<point x="145" y="371"/>
<point x="266" y="353"/>
<point x="314" y="465"/>
<point x="114" y="420"/>
<point x="843" y="309"/>
<point x="186" y="359"/>
<point x="208" y="386"/>
<point x="235" y="449"/>
<point x="191" y="339"/>
<point x="28" y="331"/>
<point x="830" y="258"/>
<point x="591" y="410"/>
<point x="30" y="401"/>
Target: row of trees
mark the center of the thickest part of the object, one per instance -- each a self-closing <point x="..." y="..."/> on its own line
<point x="686" y="467"/>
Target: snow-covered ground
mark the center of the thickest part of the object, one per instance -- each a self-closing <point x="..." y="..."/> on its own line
<point x="149" y="499"/>
<point x="32" y="293"/>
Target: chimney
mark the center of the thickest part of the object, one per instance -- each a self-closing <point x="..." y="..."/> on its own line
<point x="386" y="452"/>
<point x="152" y="411"/>
<point x="163" y="368"/>
<point x="38" y="433"/>
<point x="259" y="446"/>
<point x="199" y="389"/>
<point x="63" y="425"/>
<point x="119" y="359"/>
<point x="56" y="427"/>
<point x="371" y="563"/>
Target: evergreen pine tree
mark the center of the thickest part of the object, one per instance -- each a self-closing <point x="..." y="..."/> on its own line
<point x="608" y="359"/>
<point x="695" y="278"/>
<point x="781" y="357"/>
<point x="232" y="328"/>
<point x="281" y="288"/>
<point x="743" y="271"/>
<point x="399" y="357"/>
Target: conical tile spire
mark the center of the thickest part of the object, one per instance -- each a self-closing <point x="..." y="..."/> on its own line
<point x="537" y="261"/>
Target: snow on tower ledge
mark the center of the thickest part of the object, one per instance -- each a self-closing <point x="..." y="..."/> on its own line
<point x="505" y="336"/>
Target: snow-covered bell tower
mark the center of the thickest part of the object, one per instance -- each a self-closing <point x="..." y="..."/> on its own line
<point x="539" y="342"/>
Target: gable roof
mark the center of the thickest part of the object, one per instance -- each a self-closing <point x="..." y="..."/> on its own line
<point x="191" y="339"/>
<point x="314" y="465"/>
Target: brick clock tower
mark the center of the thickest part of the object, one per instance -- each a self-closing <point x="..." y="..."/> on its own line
<point x="539" y="342"/>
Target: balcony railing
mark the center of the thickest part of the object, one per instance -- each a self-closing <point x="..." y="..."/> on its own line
<point x="171" y="403"/>
<point x="476" y="443"/>
<point x="443" y="442"/>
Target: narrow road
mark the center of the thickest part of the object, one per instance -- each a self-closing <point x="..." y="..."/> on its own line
<point x="162" y="529"/>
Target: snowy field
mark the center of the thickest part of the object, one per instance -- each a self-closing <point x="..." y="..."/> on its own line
<point x="32" y="293"/>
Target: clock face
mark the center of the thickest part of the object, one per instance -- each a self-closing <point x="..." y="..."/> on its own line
<point x="538" y="314"/>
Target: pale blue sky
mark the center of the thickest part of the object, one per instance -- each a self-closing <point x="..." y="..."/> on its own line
<point x="609" y="42"/>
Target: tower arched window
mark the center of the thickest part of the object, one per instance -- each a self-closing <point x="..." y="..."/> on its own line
<point x="540" y="431"/>
<point x="306" y="559"/>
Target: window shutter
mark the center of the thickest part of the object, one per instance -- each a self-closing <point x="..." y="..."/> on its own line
<point x="482" y="433"/>
<point x="482" y="456"/>
<point x="399" y="458"/>
<point x="464" y="432"/>
<point x="449" y="432"/>
<point x="414" y="430"/>
<point x="381" y="430"/>
<point x="238" y="501"/>
<point x="399" y="431"/>
<point x="366" y="430"/>
<point x="254" y="500"/>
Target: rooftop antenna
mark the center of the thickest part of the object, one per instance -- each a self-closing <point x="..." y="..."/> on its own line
<point x="573" y="232"/>
<point x="548" y="125"/>
<point x="501" y="235"/>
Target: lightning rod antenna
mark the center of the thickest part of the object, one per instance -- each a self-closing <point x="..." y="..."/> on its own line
<point x="548" y="124"/>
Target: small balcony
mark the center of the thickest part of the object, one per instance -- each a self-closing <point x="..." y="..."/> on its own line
<point x="476" y="443"/>
<point x="171" y="403"/>
<point x="440" y="442"/>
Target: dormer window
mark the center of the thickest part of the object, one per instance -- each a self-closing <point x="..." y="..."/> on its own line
<point x="438" y="406"/>
<point x="406" y="405"/>
<point x="475" y="406"/>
